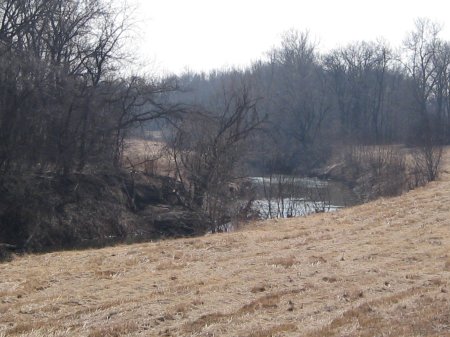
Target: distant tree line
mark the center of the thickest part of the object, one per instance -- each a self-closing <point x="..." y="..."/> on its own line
<point x="365" y="93"/>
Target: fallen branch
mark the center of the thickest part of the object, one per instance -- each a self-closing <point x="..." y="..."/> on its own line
<point x="7" y="246"/>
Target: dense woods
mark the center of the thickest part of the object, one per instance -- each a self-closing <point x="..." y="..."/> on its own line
<point x="64" y="106"/>
<point x="366" y="93"/>
<point x="312" y="104"/>
<point x="67" y="103"/>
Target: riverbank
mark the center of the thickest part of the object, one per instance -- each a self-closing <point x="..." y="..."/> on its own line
<point x="381" y="268"/>
<point x="47" y="212"/>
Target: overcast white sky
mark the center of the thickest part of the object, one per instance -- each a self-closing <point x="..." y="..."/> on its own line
<point x="201" y="35"/>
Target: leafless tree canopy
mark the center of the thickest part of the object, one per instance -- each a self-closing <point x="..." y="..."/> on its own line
<point x="209" y="145"/>
<point x="63" y="105"/>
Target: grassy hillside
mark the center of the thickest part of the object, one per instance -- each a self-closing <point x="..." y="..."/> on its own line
<point x="380" y="269"/>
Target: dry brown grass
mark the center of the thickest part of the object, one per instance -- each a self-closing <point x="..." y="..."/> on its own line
<point x="380" y="269"/>
<point x="147" y="156"/>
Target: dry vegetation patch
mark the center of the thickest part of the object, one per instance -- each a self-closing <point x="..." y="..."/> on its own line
<point x="149" y="156"/>
<point x="375" y="269"/>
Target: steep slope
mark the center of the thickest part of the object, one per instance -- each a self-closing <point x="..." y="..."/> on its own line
<point x="380" y="269"/>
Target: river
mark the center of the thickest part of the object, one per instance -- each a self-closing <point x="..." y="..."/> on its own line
<point x="281" y="196"/>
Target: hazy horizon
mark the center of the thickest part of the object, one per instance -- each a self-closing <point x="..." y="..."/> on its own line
<point x="202" y="35"/>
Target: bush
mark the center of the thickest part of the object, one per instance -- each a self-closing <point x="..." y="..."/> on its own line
<point x="425" y="164"/>
<point x="376" y="171"/>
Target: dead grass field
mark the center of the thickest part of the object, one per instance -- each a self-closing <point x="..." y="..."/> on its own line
<point x="148" y="156"/>
<point x="380" y="269"/>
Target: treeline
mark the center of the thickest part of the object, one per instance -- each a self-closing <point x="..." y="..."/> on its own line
<point x="365" y="93"/>
<point x="65" y="104"/>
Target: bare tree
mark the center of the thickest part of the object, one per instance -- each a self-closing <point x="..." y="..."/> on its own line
<point x="63" y="105"/>
<point x="426" y="62"/>
<point x="208" y="145"/>
<point x="46" y="47"/>
<point x="359" y="74"/>
<point x="300" y="99"/>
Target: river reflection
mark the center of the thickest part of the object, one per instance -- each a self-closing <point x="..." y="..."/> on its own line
<point x="281" y="196"/>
